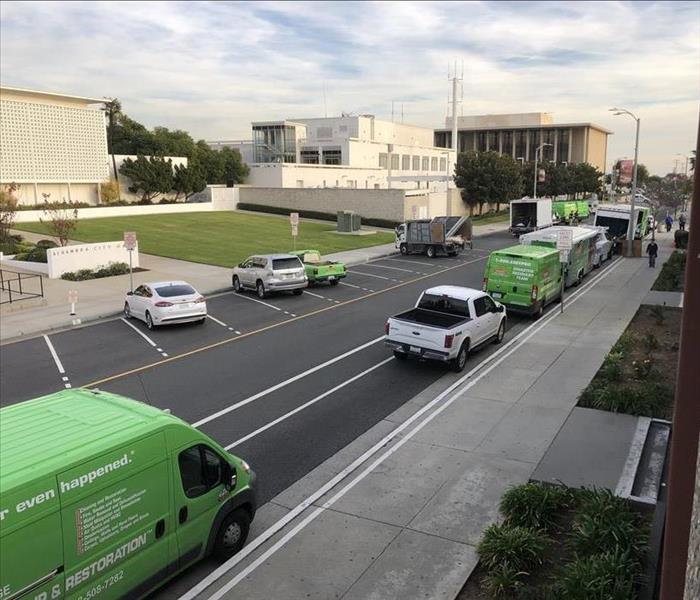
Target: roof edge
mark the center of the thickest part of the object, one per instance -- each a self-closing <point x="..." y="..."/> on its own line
<point x="54" y="95"/>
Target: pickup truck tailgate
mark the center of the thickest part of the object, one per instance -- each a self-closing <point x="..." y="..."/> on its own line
<point x="413" y="334"/>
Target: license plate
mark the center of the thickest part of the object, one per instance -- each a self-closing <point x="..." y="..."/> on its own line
<point x="185" y="305"/>
<point x="414" y="349"/>
<point x="497" y="294"/>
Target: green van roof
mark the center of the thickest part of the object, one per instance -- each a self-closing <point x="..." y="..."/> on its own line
<point x="527" y="251"/>
<point x="45" y="436"/>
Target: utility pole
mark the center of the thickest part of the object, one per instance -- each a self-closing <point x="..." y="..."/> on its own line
<point x="686" y="421"/>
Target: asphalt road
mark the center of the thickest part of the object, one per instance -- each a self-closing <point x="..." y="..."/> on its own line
<point x="254" y="376"/>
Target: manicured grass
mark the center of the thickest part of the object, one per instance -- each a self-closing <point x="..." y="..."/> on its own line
<point x="504" y="215"/>
<point x="217" y="238"/>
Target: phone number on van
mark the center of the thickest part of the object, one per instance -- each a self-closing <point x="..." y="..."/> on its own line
<point x="98" y="589"/>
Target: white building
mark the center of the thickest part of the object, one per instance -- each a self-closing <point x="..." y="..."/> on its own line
<point x="358" y="152"/>
<point x="52" y="144"/>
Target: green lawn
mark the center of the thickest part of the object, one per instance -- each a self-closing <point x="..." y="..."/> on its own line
<point x="217" y="238"/>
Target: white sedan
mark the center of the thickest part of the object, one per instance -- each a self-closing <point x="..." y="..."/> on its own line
<point x="165" y="302"/>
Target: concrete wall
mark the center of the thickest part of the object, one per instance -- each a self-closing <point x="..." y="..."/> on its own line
<point x="88" y="256"/>
<point x="597" y="149"/>
<point x="29" y="194"/>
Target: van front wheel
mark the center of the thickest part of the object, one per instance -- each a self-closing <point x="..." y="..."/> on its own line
<point x="232" y="534"/>
<point x="403" y="249"/>
<point x="430" y="251"/>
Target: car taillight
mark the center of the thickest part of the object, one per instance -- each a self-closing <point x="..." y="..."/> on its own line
<point x="448" y="341"/>
<point x="200" y="299"/>
<point x="386" y="328"/>
<point x="485" y="284"/>
<point x="533" y="293"/>
<point x="163" y="304"/>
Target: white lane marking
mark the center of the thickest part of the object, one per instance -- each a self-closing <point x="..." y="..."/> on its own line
<point x="311" y="402"/>
<point x="141" y="333"/>
<point x="285" y="383"/>
<point x="64" y="378"/>
<point x="237" y="332"/>
<point x="413" y="262"/>
<point x="256" y="300"/>
<point x="357" y="287"/>
<point x="217" y="321"/>
<point x="57" y="360"/>
<point x="373" y="275"/>
<point x="314" y="295"/>
<point x="159" y="349"/>
<point x="393" y="268"/>
<point x="510" y="347"/>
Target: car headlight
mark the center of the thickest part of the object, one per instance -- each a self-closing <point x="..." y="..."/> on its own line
<point x="245" y="466"/>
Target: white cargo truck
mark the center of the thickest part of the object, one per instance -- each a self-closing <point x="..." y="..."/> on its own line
<point x="528" y="215"/>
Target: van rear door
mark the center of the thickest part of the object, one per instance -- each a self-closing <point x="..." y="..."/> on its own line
<point x="117" y="523"/>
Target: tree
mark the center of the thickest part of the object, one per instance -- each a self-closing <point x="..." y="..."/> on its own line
<point x="487" y="177"/>
<point x="666" y="192"/>
<point x="150" y="177"/>
<point x="61" y="221"/>
<point x="234" y="169"/>
<point x="113" y="108"/>
<point x="188" y="180"/>
<point x="8" y="208"/>
<point x="109" y="191"/>
<point x="642" y="174"/>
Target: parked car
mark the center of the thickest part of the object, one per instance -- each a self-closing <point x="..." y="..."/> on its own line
<point x="318" y="270"/>
<point x="447" y="323"/>
<point x="270" y="273"/>
<point x="603" y="245"/>
<point x="165" y="303"/>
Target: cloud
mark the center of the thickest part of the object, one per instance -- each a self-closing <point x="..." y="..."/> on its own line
<point x="213" y="67"/>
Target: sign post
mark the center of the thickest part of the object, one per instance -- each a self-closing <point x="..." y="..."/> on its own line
<point x="565" y="241"/>
<point x="130" y="245"/>
<point x="294" y="220"/>
<point x="72" y="299"/>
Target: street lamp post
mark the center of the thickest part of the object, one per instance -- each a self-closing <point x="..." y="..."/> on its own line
<point x="633" y="217"/>
<point x="538" y="149"/>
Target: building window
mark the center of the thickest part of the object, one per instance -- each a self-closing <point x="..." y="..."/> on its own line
<point x="395" y="162"/>
<point x="548" y="138"/>
<point x="492" y="140"/>
<point x="535" y="141"/>
<point x="563" y="149"/>
<point x="507" y="143"/>
<point x="405" y="162"/>
<point x="425" y="166"/>
<point x="274" y="144"/>
<point x="309" y="156"/>
<point x="383" y="160"/>
<point x="520" y="145"/>
<point x="332" y="156"/>
<point x="433" y="163"/>
<point x="416" y="163"/>
<point x="481" y="141"/>
<point x="443" y="165"/>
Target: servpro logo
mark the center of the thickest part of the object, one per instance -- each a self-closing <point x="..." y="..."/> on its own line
<point x="106" y="561"/>
<point x="91" y="476"/>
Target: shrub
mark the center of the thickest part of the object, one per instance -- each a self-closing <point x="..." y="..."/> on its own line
<point x="650" y="342"/>
<point x="106" y="271"/>
<point x="624" y="343"/>
<point x="671" y="277"/>
<point x="534" y="505"/>
<point x="109" y="191"/>
<point x="505" y="545"/>
<point x="645" y="369"/>
<point x="612" y="367"/>
<point x="651" y="400"/>
<point x="503" y="581"/>
<point x="608" y="576"/>
<point x="46" y="244"/>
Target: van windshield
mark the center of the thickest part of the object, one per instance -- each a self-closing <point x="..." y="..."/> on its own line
<point x="444" y="304"/>
<point x="286" y="263"/>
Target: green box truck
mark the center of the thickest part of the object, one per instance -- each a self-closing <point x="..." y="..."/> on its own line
<point x="106" y="497"/>
<point x="570" y="210"/>
<point x="524" y="278"/>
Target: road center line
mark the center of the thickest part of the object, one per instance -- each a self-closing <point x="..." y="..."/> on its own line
<point x="256" y="300"/>
<point x="57" y="360"/>
<point x="311" y="402"/>
<point x="495" y="360"/>
<point x="284" y="383"/>
<point x="216" y="320"/>
<point x="141" y="333"/>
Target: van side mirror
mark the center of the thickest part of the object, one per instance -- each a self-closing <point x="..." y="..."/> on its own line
<point x="130" y="293"/>
<point x="501" y="308"/>
<point x="228" y="475"/>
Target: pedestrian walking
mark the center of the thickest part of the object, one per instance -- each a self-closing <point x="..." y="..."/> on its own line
<point x="681" y="222"/>
<point x="669" y="222"/>
<point x="653" y="252"/>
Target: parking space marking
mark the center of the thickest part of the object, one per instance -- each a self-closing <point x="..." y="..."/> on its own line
<point x="258" y="301"/>
<point x="311" y="402"/>
<point x="377" y="276"/>
<point x="286" y="382"/>
<point x="59" y="364"/>
<point x="315" y="295"/>
<point x="373" y="264"/>
<point x="352" y="285"/>
<point x="222" y="324"/>
<point x="413" y="262"/>
<point x="144" y="336"/>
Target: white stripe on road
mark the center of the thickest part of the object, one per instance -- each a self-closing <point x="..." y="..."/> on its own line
<point x="141" y="333"/>
<point x="393" y="268"/>
<point x="414" y="262"/>
<point x="285" y="383"/>
<point x="504" y="352"/>
<point x="298" y="409"/>
<point x="256" y="300"/>
<point x="373" y="275"/>
<point x="357" y="287"/>
<point x="59" y="364"/>
<point x="216" y="320"/>
<point x="314" y="295"/>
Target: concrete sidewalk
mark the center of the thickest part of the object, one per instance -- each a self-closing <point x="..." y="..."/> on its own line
<point x="103" y="298"/>
<point x="404" y="523"/>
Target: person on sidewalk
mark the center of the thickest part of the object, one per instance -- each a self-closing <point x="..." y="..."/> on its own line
<point x="653" y="252"/>
<point x="681" y="222"/>
<point x="669" y="222"/>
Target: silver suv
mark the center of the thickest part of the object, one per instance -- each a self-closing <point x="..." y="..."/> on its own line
<point x="270" y="273"/>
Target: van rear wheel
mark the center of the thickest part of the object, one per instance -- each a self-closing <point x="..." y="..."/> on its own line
<point x="232" y="534"/>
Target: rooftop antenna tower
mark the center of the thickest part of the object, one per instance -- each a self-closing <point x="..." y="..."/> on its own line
<point x="456" y="79"/>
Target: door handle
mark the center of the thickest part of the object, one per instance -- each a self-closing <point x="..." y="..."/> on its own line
<point x="160" y="528"/>
<point x="182" y="515"/>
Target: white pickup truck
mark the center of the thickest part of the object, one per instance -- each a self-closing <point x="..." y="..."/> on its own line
<point x="447" y="322"/>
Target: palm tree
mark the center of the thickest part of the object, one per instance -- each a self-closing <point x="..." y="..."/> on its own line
<point x="113" y="108"/>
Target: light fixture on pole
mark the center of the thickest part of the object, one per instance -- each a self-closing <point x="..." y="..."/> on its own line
<point x="632" y="224"/>
<point x="538" y="149"/>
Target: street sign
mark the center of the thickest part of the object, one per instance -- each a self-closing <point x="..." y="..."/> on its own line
<point x="294" y="218"/>
<point x="295" y="229"/>
<point x="130" y="240"/>
<point x="565" y="239"/>
<point x="73" y="296"/>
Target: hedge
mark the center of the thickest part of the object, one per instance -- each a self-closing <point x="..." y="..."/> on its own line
<point x="313" y="214"/>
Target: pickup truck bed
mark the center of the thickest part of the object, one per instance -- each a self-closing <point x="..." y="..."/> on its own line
<point x="432" y="318"/>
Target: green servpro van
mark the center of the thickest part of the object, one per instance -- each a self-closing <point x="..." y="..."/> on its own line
<point x="106" y="497"/>
<point x="524" y="278"/>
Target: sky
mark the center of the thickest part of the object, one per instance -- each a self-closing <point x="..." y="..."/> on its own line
<point x="213" y="67"/>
